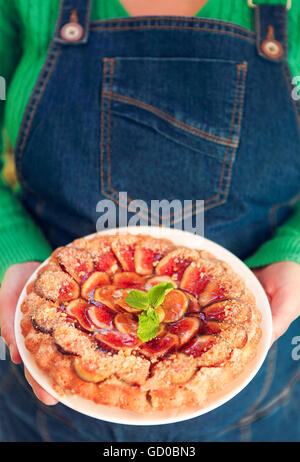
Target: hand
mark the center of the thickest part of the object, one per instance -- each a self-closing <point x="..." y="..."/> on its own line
<point x="13" y="283"/>
<point x="281" y="282"/>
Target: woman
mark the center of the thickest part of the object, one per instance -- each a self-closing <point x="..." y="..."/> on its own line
<point x="192" y="102"/>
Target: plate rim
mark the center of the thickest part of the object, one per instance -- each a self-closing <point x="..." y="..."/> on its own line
<point x="101" y="412"/>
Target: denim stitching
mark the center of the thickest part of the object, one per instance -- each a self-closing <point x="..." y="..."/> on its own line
<point x="173" y="19"/>
<point x="107" y="95"/>
<point x="205" y="29"/>
<point x="172" y="120"/>
<point x="231" y="130"/>
<point x="32" y="108"/>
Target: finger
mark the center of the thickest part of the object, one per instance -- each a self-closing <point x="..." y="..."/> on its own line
<point x="10" y="291"/>
<point x="39" y="392"/>
<point x="285" y="309"/>
<point x="268" y="283"/>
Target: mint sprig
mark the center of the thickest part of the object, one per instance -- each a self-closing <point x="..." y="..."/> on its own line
<point x="148" y="319"/>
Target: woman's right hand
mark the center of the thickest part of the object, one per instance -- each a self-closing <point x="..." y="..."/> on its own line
<point x="14" y="280"/>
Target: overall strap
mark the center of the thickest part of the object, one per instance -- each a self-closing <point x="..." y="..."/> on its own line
<point x="72" y="27"/>
<point x="271" y="31"/>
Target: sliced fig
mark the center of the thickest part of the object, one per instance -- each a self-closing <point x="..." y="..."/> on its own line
<point x="120" y="296"/>
<point x="151" y="282"/>
<point x="199" y="345"/>
<point x="174" y="305"/>
<point x="185" y="328"/>
<point x="84" y="373"/>
<point x="193" y="306"/>
<point x="148" y="252"/>
<point x="96" y="279"/>
<point x="100" y="316"/>
<point x="105" y="296"/>
<point x="229" y="310"/>
<point x="45" y="317"/>
<point x="101" y="251"/>
<point x="56" y="286"/>
<point x="128" y="279"/>
<point x="194" y="280"/>
<point x="211" y="293"/>
<point x="123" y="247"/>
<point x="175" y="263"/>
<point x="235" y="334"/>
<point x="126" y="323"/>
<point x="209" y="350"/>
<point x="160" y="345"/>
<point x="77" y="309"/>
<point x="117" y="340"/>
<point x="77" y="262"/>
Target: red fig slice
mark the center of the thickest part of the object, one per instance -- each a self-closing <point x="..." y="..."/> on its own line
<point x="117" y="340"/>
<point x="105" y="296"/>
<point x="126" y="323"/>
<point x="175" y="305"/>
<point x="88" y="375"/>
<point x="159" y="346"/>
<point x="194" y="280"/>
<point x="235" y="334"/>
<point x="77" y="262"/>
<point x="229" y="310"/>
<point x="151" y="282"/>
<point x="96" y="279"/>
<point x="186" y="328"/>
<point x="211" y="293"/>
<point x="56" y="286"/>
<point x="123" y="247"/>
<point x="193" y="306"/>
<point x="120" y="296"/>
<point x="78" y="309"/>
<point x="100" y="316"/>
<point x="199" y="345"/>
<point x="148" y="252"/>
<point x="100" y="249"/>
<point x="209" y="350"/>
<point x="175" y="263"/>
<point x="128" y="279"/>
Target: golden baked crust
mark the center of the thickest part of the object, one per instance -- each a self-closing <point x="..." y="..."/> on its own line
<point x="83" y="334"/>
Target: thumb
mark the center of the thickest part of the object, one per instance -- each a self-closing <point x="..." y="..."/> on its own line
<point x="13" y="283"/>
<point x="285" y="309"/>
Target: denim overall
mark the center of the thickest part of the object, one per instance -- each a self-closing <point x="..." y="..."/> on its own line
<point x="164" y="108"/>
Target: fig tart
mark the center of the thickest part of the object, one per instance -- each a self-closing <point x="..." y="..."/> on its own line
<point x="83" y="332"/>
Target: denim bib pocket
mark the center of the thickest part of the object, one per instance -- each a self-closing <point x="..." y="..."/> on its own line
<point x="166" y="122"/>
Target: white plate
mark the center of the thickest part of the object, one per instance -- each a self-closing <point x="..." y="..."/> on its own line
<point x="116" y="415"/>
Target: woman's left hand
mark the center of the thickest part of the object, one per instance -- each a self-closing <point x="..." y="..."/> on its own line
<point x="281" y="282"/>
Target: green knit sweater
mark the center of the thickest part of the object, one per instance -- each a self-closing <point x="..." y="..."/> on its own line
<point x="26" y="28"/>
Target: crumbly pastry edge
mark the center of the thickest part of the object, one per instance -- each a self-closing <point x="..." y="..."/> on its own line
<point x="140" y="394"/>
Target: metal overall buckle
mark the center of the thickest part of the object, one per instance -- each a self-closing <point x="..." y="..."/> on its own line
<point x="253" y="5"/>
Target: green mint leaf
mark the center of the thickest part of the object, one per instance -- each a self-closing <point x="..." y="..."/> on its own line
<point x="148" y="325"/>
<point x="137" y="300"/>
<point x="156" y="294"/>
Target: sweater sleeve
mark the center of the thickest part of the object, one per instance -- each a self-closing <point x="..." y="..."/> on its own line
<point x="20" y="239"/>
<point x="285" y="244"/>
